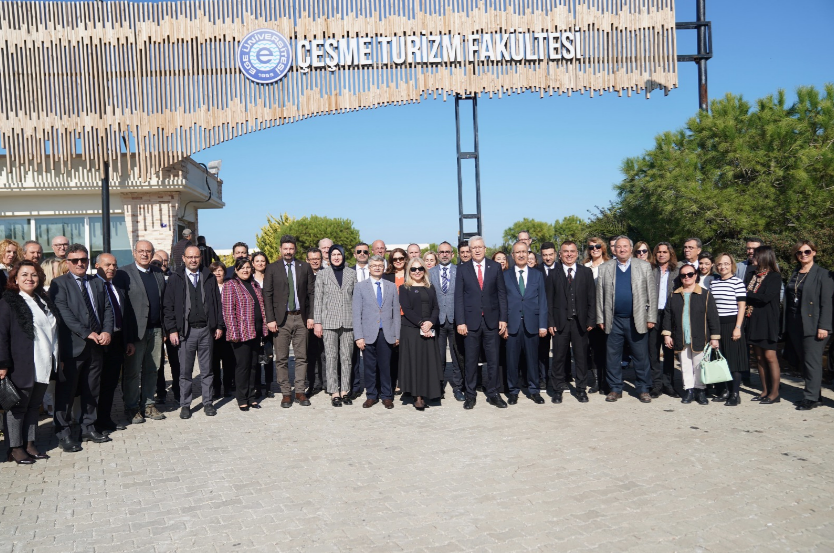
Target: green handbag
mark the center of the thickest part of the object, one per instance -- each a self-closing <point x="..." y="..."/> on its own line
<point x="714" y="370"/>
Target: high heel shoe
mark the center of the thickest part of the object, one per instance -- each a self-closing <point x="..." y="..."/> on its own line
<point x="768" y="401"/>
<point x="243" y="407"/>
<point x="25" y="461"/>
<point x="37" y="455"/>
<point x="255" y="405"/>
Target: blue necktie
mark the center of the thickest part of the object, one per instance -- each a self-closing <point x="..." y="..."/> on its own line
<point x="379" y="294"/>
<point x="444" y="281"/>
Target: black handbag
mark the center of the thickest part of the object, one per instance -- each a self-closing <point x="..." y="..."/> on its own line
<point x="9" y="396"/>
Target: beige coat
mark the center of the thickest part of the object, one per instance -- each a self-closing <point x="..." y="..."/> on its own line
<point x="643" y="290"/>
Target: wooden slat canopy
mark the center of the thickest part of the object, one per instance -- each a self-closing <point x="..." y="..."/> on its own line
<point x="161" y="80"/>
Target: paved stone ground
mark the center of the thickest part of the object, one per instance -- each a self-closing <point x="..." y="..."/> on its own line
<point x="570" y="477"/>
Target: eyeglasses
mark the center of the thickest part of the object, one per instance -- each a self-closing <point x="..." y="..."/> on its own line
<point x="445" y="251"/>
<point x="78" y="260"/>
<point x="687" y="275"/>
<point x="417" y="269"/>
<point x="594" y="246"/>
<point x="361" y="251"/>
<point x="62" y="245"/>
<point x="642" y="251"/>
<point x="398" y="259"/>
<point x="805" y="252"/>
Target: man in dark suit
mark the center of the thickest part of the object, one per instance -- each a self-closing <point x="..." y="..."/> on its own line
<point x="114" y="353"/>
<point x="87" y="328"/>
<point x="288" y="299"/>
<point x="480" y="315"/>
<point x="194" y="320"/>
<point x="571" y="301"/>
<point x="442" y="278"/>
<point x="144" y="286"/>
<point x="526" y="322"/>
<point x="315" y="345"/>
<point x="549" y="263"/>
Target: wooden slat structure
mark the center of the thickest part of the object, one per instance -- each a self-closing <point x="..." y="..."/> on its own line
<point x="161" y="80"/>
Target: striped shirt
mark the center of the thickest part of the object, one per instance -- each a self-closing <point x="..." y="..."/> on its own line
<point x="727" y="294"/>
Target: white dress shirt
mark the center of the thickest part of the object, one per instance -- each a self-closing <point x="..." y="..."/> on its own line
<point x="522" y="271"/>
<point x="566" y="267"/>
<point x="624" y="266"/>
<point x="362" y="273"/>
<point x="381" y="287"/>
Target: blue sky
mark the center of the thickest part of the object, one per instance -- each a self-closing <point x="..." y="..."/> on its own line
<point x="392" y="170"/>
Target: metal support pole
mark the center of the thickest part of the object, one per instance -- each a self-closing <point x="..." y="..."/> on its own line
<point x="105" y="209"/>
<point x="701" y="17"/>
<point x="473" y="155"/>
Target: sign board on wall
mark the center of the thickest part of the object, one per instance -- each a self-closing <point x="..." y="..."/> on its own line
<point x="172" y="78"/>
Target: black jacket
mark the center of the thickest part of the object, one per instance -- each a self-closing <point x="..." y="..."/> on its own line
<point x="704" y="324"/>
<point x="17" y="337"/>
<point x="174" y="303"/>
<point x="815" y="306"/>
<point x="585" y="292"/>
<point x="413" y="308"/>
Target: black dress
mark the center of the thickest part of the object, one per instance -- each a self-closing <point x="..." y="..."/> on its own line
<point x="763" y="323"/>
<point x="420" y="373"/>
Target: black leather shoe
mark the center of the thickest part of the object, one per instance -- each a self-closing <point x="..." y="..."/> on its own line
<point x="210" y="410"/>
<point x="557" y="397"/>
<point x="582" y="396"/>
<point x="768" y="401"/>
<point x="459" y="396"/>
<point x="807" y="405"/>
<point x="654" y="394"/>
<point x="69" y="445"/>
<point x="671" y="392"/>
<point x="497" y="401"/>
<point x="688" y="396"/>
<point x="724" y="396"/>
<point x="732" y="401"/>
<point x="185" y="412"/>
<point x="701" y="397"/>
<point x="469" y="403"/>
<point x="594" y="389"/>
<point x="255" y="405"/>
<point x="537" y="399"/>
<point x="347" y="401"/>
<point x="512" y="399"/>
<point x="336" y="401"/>
<point x="95" y="436"/>
<point x="24" y="459"/>
<point x="270" y="393"/>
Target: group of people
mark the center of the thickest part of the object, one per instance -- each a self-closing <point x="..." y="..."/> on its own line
<point x="382" y="327"/>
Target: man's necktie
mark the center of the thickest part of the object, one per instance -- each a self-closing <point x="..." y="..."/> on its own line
<point x="95" y="326"/>
<point x="291" y="285"/>
<point x="114" y="302"/>
<point x="379" y="294"/>
<point x="194" y="279"/>
<point x="480" y="276"/>
<point x="521" y="282"/>
<point x="444" y="280"/>
<point x="570" y="275"/>
<point x="363" y="273"/>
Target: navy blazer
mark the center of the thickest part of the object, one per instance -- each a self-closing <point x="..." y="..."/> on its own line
<point x="471" y="301"/>
<point x="531" y="309"/>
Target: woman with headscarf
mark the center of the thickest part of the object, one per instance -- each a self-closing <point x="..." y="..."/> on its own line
<point x="333" y="317"/>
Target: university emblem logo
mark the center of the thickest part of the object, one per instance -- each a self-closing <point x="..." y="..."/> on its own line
<point x="264" y="56"/>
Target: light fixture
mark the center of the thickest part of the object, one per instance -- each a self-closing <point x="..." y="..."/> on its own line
<point x="214" y="167"/>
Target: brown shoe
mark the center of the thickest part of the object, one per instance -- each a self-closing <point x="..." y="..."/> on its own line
<point x="151" y="412"/>
<point x="388" y="403"/>
<point x="286" y="401"/>
<point x="645" y="398"/>
<point x="369" y="403"/>
<point x="302" y="400"/>
<point x="613" y="396"/>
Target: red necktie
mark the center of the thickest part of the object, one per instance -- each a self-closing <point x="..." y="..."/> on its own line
<point x="480" y="277"/>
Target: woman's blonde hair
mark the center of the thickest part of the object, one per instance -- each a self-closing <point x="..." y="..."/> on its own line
<point x="408" y="265"/>
<point x="18" y="255"/>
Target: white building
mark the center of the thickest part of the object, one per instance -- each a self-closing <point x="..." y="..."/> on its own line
<point x="39" y="205"/>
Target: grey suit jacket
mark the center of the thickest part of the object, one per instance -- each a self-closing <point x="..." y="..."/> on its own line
<point x="333" y="306"/>
<point x="136" y="312"/>
<point x="446" y="302"/>
<point x="367" y="314"/>
<point x="72" y="334"/>
<point x="643" y="290"/>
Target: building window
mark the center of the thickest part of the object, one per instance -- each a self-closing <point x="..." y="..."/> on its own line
<point x="119" y="242"/>
<point x="19" y="230"/>
<point x="47" y="228"/>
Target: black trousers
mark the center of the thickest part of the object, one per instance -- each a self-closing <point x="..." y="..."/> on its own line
<point x="114" y="358"/>
<point x="571" y="335"/>
<point x="81" y="374"/>
<point x="267" y="377"/>
<point x="809" y="352"/>
<point x="663" y="372"/>
<point x="246" y="370"/>
<point x="544" y="363"/>
<point x="598" y="348"/>
<point x="473" y="341"/>
<point x="357" y="376"/>
<point x="315" y="362"/>
<point x="172" y="352"/>
<point x="223" y="355"/>
<point x="447" y="335"/>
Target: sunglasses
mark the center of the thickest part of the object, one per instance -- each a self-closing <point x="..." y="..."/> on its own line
<point x="594" y="246"/>
<point x="398" y="259"/>
<point x="805" y="252"/>
<point x="417" y="269"/>
<point x="361" y="251"/>
<point x="642" y="251"/>
<point x="78" y="260"/>
<point x="687" y="275"/>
